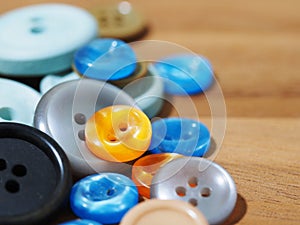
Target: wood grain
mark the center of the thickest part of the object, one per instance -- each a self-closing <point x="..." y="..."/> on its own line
<point x="255" y="51"/>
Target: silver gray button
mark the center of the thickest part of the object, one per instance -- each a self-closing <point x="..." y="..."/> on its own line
<point x="62" y="113"/>
<point x="204" y="184"/>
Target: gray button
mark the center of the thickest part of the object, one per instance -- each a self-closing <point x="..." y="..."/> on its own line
<point x="62" y="113"/>
<point x="204" y="184"/>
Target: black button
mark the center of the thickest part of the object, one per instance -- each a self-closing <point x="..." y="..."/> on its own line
<point x="35" y="177"/>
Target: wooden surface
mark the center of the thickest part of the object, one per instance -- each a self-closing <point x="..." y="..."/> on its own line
<point x="255" y="50"/>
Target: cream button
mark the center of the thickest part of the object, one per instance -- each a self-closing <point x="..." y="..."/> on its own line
<point x="162" y="212"/>
<point x="41" y="39"/>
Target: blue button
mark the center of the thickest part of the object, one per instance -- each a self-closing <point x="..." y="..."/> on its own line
<point x="179" y="135"/>
<point x="104" y="197"/>
<point x="185" y="74"/>
<point x="81" y="222"/>
<point x="105" y="59"/>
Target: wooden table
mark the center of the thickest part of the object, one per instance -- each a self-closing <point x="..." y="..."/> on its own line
<point x="255" y="50"/>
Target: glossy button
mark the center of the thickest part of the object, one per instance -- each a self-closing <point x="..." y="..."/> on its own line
<point x="185" y="74"/>
<point x="104" y="197"/>
<point x="17" y="102"/>
<point x="105" y="59"/>
<point x="161" y="212"/>
<point x="81" y="222"/>
<point x="204" y="184"/>
<point x="146" y="167"/>
<point x="42" y="38"/>
<point x="63" y="112"/>
<point x="50" y="81"/>
<point x="140" y="71"/>
<point x="148" y="92"/>
<point x="118" y="133"/>
<point x="120" y="21"/>
<point x="35" y="176"/>
<point x="180" y="135"/>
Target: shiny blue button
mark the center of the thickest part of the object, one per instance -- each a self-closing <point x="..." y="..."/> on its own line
<point x="185" y="74"/>
<point x="81" y="222"/>
<point x="179" y="135"/>
<point x="104" y="197"/>
<point x="105" y="59"/>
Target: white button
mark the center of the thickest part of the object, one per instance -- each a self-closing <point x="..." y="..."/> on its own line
<point x="62" y="113"/>
<point x="41" y="39"/>
<point x="200" y="182"/>
<point x="17" y="102"/>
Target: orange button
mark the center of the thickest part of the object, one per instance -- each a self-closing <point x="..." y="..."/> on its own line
<point x="118" y="133"/>
<point x="162" y="212"/>
<point x="146" y="167"/>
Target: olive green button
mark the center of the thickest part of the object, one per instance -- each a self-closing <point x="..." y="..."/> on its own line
<point x="140" y="71"/>
<point x="119" y="21"/>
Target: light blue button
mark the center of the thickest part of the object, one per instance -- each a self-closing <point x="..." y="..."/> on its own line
<point x="81" y="222"/>
<point x="185" y="74"/>
<point x="105" y="59"/>
<point x="179" y="135"/>
<point x="104" y="197"/>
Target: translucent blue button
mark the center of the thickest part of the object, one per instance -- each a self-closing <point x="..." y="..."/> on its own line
<point x="104" y="197"/>
<point x="179" y="135"/>
<point x="105" y="59"/>
<point x="185" y="74"/>
<point x="81" y="222"/>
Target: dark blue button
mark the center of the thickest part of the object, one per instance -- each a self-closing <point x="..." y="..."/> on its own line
<point x="179" y="135"/>
<point x="185" y="74"/>
<point x="104" y="197"/>
<point x="105" y="59"/>
<point x="81" y="222"/>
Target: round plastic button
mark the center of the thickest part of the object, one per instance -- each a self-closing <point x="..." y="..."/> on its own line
<point x="41" y="39"/>
<point x="161" y="212"/>
<point x="148" y="92"/>
<point x="50" y="81"/>
<point x="200" y="182"/>
<point x="120" y="21"/>
<point x="118" y="133"/>
<point x="81" y="222"/>
<point x="140" y="71"/>
<point x="104" y="197"/>
<point x="62" y="113"/>
<point x="17" y="102"/>
<point x="35" y="176"/>
<point x="105" y="59"/>
<point x="180" y="135"/>
<point x="146" y="167"/>
<point x="185" y="74"/>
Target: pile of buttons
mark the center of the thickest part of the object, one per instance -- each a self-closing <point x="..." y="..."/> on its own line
<point x="91" y="121"/>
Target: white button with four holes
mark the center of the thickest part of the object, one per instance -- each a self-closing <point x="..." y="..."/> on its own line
<point x="204" y="184"/>
<point x="41" y="39"/>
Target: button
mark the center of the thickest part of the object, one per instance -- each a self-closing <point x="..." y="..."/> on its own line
<point x="180" y="135"/>
<point x="118" y="133"/>
<point x="41" y="39"/>
<point x="140" y="71"/>
<point x="148" y="92"/>
<point x="17" y="102"/>
<point x="104" y="197"/>
<point x="185" y="74"/>
<point x="204" y="184"/>
<point x="146" y="167"/>
<point x="62" y="113"/>
<point x="35" y="177"/>
<point x="105" y="59"/>
<point x="81" y="222"/>
<point x="161" y="212"/>
<point x="50" y="81"/>
<point x="120" y="21"/>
